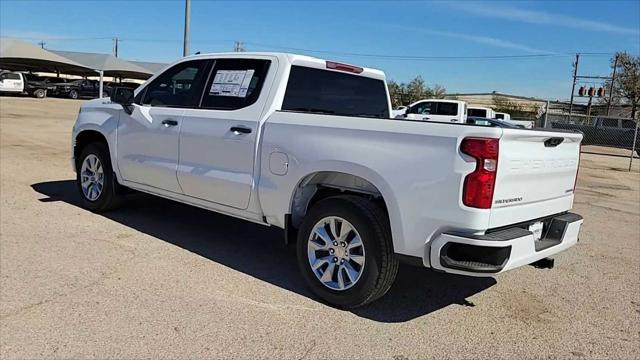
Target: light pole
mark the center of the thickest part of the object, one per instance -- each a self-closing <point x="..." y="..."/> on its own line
<point x="187" y="17"/>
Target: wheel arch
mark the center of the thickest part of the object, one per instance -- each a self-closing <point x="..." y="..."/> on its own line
<point x="86" y="137"/>
<point x="343" y="178"/>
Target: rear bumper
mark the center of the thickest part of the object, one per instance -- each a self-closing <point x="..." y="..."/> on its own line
<point x="503" y="250"/>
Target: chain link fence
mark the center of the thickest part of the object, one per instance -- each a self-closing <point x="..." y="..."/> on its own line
<point x="604" y="135"/>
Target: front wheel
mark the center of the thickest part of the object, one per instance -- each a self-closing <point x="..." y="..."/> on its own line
<point x="73" y="94"/>
<point x="345" y="252"/>
<point x="95" y="179"/>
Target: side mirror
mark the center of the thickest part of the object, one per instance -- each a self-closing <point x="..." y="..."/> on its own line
<point x="124" y="97"/>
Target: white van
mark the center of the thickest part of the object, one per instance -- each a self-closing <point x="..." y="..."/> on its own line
<point x="483" y="112"/>
<point x="451" y="111"/>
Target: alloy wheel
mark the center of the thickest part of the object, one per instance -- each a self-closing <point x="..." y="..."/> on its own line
<point x="91" y="177"/>
<point x="336" y="253"/>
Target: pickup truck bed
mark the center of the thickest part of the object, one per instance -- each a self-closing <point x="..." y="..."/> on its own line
<point x="308" y="146"/>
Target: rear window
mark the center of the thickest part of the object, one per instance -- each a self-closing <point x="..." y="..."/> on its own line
<point x="11" y="76"/>
<point x="445" y="108"/>
<point x="477" y="112"/>
<point x="499" y="116"/>
<point x="329" y="92"/>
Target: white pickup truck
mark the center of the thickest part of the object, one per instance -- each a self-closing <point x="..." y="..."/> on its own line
<point x="449" y="111"/>
<point x="307" y="145"/>
<point x="12" y="82"/>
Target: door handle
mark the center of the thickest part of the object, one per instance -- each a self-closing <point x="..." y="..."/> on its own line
<point x="425" y="118"/>
<point x="169" y="123"/>
<point x="237" y="130"/>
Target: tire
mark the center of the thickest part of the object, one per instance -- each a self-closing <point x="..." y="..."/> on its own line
<point x="73" y="94"/>
<point x="94" y="197"/>
<point x="379" y="264"/>
<point x="39" y="93"/>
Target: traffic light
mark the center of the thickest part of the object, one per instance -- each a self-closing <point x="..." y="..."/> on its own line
<point x="592" y="91"/>
<point x="601" y="91"/>
<point x="582" y="91"/>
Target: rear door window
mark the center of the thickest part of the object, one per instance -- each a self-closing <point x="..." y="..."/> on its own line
<point x="446" y="108"/>
<point x="234" y="83"/>
<point x="330" y="92"/>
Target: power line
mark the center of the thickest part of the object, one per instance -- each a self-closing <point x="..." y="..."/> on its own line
<point x="271" y="47"/>
<point x="58" y="38"/>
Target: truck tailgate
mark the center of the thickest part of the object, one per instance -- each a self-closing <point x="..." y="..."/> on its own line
<point x="536" y="175"/>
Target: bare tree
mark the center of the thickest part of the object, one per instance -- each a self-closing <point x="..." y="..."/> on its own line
<point x="439" y="91"/>
<point x="416" y="89"/>
<point x="626" y="87"/>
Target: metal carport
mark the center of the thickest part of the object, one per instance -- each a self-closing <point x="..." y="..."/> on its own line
<point x="16" y="55"/>
<point x="151" y="66"/>
<point x="106" y="65"/>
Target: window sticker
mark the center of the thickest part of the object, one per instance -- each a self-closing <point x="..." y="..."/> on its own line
<point x="231" y="83"/>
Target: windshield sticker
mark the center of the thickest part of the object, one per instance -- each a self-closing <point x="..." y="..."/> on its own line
<point x="231" y="83"/>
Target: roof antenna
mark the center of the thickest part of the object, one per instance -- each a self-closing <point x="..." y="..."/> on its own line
<point x="197" y="53"/>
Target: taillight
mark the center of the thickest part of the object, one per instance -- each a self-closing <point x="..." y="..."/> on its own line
<point x="479" y="185"/>
<point x="344" y="67"/>
<point x="575" y="182"/>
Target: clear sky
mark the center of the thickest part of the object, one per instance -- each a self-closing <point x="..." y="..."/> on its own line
<point x="347" y="31"/>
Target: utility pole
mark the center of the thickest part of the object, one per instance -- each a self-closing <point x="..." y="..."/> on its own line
<point x="187" y="20"/>
<point x="42" y="43"/>
<point x="613" y="78"/>
<point x="115" y="46"/>
<point x="237" y="46"/>
<point x="573" y="88"/>
<point x="546" y="114"/>
<point x="589" y="106"/>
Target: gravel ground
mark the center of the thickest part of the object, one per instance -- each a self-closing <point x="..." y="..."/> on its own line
<point x="158" y="279"/>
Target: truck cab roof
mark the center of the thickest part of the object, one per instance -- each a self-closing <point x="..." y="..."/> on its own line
<point x="294" y="59"/>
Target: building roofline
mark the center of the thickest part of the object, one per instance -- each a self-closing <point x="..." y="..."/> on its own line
<point x="500" y="94"/>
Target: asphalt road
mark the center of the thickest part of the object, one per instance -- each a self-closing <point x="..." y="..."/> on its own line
<point x="157" y="279"/>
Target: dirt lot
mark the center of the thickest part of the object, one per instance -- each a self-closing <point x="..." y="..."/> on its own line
<point x="158" y="279"/>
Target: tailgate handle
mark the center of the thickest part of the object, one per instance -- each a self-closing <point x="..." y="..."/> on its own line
<point x="553" y="142"/>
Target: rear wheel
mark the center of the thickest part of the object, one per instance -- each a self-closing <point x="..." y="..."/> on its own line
<point x="73" y="94"/>
<point x="39" y="93"/>
<point x="95" y="178"/>
<point x="345" y="251"/>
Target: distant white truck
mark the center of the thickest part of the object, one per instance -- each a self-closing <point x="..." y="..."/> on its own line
<point x="450" y="111"/>
<point x="483" y="112"/>
<point x="12" y="82"/>
<point x="400" y="110"/>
